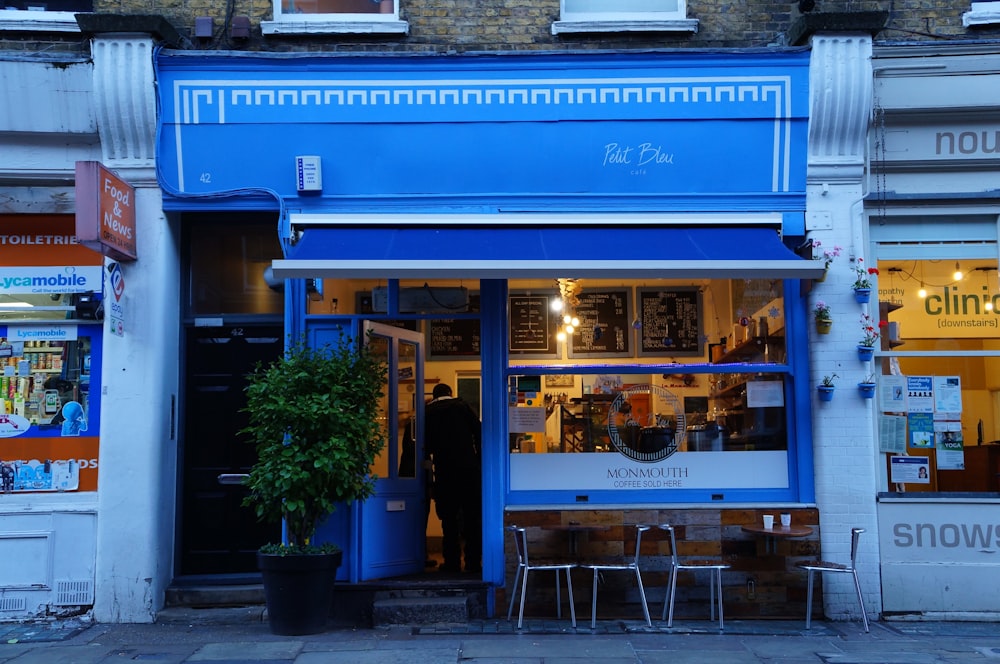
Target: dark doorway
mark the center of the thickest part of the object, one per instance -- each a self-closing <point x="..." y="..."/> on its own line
<point x="217" y="534"/>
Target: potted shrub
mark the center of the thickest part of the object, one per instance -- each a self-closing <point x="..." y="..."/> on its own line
<point x="313" y="416"/>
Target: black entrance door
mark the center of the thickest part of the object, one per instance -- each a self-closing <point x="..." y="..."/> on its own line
<point x="217" y="534"/>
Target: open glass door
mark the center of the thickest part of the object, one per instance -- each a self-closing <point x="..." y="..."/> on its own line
<point x="394" y="520"/>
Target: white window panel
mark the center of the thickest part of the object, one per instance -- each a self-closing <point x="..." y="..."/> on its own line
<point x="344" y="16"/>
<point x="623" y="16"/>
<point x="982" y="13"/>
<point x="42" y="15"/>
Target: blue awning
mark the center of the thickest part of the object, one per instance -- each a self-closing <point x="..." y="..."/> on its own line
<point x="503" y="252"/>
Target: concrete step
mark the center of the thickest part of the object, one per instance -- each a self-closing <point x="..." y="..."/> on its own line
<point x="214" y="595"/>
<point x="419" y="610"/>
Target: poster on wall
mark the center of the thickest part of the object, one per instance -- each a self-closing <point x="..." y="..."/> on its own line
<point x="948" y="397"/>
<point x="909" y="469"/>
<point x="892" y="394"/>
<point x="920" y="394"/>
<point x="892" y="434"/>
<point x="921" y="427"/>
<point x="949" y="445"/>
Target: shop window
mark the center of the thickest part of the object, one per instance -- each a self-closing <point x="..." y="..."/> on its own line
<point x="661" y="385"/>
<point x="345" y="16"/>
<point x="54" y="15"/>
<point x="50" y="413"/>
<point x="623" y="15"/>
<point x="937" y="373"/>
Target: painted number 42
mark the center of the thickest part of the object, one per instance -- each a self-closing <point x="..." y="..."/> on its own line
<point x="205" y="178"/>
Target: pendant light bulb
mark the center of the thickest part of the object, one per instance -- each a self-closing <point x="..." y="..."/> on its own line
<point x="575" y="322"/>
<point x="567" y="319"/>
<point x="958" y="272"/>
<point x="557" y="305"/>
<point x="922" y="293"/>
<point x="561" y="336"/>
<point x="570" y="329"/>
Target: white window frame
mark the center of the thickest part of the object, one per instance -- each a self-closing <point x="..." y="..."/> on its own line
<point x="982" y="13"/>
<point x="292" y="24"/>
<point x="23" y="20"/>
<point x="612" y="21"/>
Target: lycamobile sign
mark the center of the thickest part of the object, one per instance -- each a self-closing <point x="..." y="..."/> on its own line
<point x="38" y="280"/>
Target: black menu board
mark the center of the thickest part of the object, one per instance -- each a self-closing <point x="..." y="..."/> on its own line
<point x="670" y="321"/>
<point x="605" y="324"/>
<point x="454" y="338"/>
<point x="532" y="324"/>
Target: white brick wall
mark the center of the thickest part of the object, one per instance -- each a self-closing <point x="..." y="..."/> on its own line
<point x="845" y="453"/>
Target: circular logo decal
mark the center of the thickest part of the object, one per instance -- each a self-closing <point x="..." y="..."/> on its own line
<point x="646" y="423"/>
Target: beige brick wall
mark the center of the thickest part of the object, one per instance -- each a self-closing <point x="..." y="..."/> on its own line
<point x="441" y="26"/>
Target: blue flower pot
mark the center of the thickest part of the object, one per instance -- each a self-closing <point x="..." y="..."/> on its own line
<point x="866" y="353"/>
<point x="863" y="295"/>
<point x="825" y="393"/>
<point x="866" y="390"/>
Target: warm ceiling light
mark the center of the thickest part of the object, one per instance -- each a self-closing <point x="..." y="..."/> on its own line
<point x="561" y="336"/>
<point x="922" y="293"/>
<point x="557" y="305"/>
<point x="958" y="272"/>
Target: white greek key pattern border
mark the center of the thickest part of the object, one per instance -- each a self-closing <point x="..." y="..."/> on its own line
<point x="195" y="99"/>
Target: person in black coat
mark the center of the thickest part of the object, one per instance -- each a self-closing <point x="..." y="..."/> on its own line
<point x="453" y="438"/>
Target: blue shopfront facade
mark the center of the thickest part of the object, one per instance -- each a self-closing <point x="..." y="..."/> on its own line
<point x="502" y="170"/>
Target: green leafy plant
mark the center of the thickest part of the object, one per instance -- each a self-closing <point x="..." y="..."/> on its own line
<point x="313" y="416"/>
<point x="869" y="379"/>
<point x="828" y="380"/>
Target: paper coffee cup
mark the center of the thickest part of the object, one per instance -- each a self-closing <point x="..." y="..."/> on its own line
<point x="769" y="521"/>
<point x="786" y="520"/>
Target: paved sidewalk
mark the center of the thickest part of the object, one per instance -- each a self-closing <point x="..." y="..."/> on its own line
<point x="241" y="636"/>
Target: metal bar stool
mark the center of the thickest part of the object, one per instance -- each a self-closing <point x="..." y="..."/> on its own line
<point x="715" y="568"/>
<point x="525" y="565"/>
<point x="824" y="566"/>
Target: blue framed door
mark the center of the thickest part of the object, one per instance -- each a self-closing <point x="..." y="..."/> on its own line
<point x="393" y="522"/>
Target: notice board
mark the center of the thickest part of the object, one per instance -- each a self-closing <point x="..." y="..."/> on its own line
<point x="670" y="321"/>
<point x="605" y="324"/>
<point x="532" y="324"/>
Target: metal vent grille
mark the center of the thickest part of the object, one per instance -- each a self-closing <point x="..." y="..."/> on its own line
<point x="13" y="604"/>
<point x="74" y="593"/>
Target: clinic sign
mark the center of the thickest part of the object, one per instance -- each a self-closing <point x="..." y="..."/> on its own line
<point x="105" y="211"/>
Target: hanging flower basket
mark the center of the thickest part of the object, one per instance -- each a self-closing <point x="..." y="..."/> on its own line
<point x="866" y="353"/>
<point x="866" y="390"/>
<point x="825" y="392"/>
<point x="863" y="295"/>
<point x="823" y="326"/>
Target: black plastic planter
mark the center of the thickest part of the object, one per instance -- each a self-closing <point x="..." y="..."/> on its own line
<point x="298" y="591"/>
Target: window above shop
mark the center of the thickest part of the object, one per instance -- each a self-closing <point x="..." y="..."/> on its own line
<point x="335" y="16"/>
<point x="982" y="13"/>
<point x="48" y="15"/>
<point x="623" y="16"/>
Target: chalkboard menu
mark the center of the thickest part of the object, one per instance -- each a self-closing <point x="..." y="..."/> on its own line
<point x="454" y="338"/>
<point x="532" y="324"/>
<point x="670" y="321"/>
<point x="605" y="324"/>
